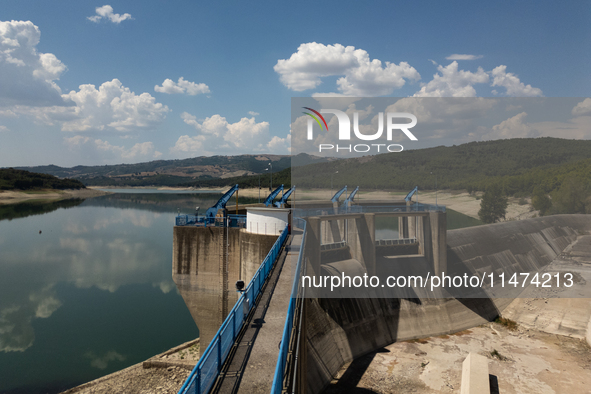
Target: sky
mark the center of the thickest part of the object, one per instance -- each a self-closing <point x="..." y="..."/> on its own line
<point x="89" y="83"/>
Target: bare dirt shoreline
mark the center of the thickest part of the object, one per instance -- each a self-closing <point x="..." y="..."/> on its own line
<point x="16" y="196"/>
<point x="459" y="201"/>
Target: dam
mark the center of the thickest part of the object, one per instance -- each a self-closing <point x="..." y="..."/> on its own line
<point x="324" y="331"/>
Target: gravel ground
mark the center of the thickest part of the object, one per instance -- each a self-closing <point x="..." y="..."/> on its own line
<point x="137" y="380"/>
<point x="524" y="361"/>
<point x="162" y="374"/>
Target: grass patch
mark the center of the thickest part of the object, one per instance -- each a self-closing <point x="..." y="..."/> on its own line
<point x="418" y="340"/>
<point x="495" y="354"/>
<point x="508" y="323"/>
<point x="460" y="333"/>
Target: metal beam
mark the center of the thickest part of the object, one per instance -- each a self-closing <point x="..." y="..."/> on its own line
<point x="212" y="212"/>
<point x="284" y="198"/>
<point x="412" y="192"/>
<point x="338" y="194"/>
<point x="271" y="197"/>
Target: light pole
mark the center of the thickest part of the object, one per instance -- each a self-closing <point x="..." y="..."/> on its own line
<point x="271" y="165"/>
<point x="266" y="169"/>
<point x="435" y="189"/>
<point x="331" y="175"/>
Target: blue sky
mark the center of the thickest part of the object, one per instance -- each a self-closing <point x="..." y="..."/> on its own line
<point x="241" y="62"/>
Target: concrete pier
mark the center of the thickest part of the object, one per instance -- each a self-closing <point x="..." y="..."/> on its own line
<point x="475" y="375"/>
<point x="207" y="262"/>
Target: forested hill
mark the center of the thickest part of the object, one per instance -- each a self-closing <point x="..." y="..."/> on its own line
<point x="178" y="172"/>
<point x="517" y="164"/>
<point x="212" y="167"/>
<point x="24" y="180"/>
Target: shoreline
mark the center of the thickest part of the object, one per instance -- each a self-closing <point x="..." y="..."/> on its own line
<point x="459" y="201"/>
<point x="16" y="196"/>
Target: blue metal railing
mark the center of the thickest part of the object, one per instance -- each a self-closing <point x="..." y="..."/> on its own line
<point x="198" y="220"/>
<point x="205" y="373"/>
<point x="290" y="319"/>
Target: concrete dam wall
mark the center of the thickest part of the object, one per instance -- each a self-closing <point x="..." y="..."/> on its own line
<point x="207" y="262"/>
<point x="339" y="330"/>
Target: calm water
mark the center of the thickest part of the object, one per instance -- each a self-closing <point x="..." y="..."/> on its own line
<point x="92" y="293"/>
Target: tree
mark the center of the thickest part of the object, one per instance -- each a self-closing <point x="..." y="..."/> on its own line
<point x="541" y="202"/>
<point x="493" y="205"/>
<point x="571" y="196"/>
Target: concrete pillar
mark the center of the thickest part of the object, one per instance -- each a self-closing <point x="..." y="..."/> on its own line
<point x="411" y="223"/>
<point x="439" y="240"/>
<point x="335" y="231"/>
<point x="402" y="227"/>
<point x="313" y="243"/>
<point x="413" y="232"/>
<point x="475" y="375"/>
<point x="353" y="240"/>
<point x="367" y="235"/>
<point x="424" y="237"/>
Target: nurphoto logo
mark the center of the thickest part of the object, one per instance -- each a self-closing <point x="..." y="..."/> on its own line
<point x="345" y="130"/>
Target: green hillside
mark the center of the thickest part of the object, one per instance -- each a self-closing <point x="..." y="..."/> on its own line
<point x="24" y="180"/>
<point x="517" y="164"/>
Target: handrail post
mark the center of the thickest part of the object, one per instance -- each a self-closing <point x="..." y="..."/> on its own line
<point x="220" y="353"/>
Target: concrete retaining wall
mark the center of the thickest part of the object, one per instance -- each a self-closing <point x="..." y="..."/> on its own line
<point x="205" y="270"/>
<point x="339" y="330"/>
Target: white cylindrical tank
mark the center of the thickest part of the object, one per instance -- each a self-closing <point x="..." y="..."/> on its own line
<point x="266" y="221"/>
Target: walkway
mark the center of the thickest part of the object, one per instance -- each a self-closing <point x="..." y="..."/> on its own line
<point x="250" y="366"/>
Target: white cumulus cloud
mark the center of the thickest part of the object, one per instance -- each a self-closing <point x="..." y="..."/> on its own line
<point x="76" y="141"/>
<point x="514" y="127"/>
<point x="112" y="106"/>
<point x="457" y="56"/>
<point x="215" y="134"/>
<point x="512" y="83"/>
<point x="182" y="87"/>
<point x="361" y="76"/>
<point x="143" y="150"/>
<point x="106" y="12"/>
<point x="139" y="149"/>
<point x="582" y="108"/>
<point x="27" y="77"/>
<point x="451" y="82"/>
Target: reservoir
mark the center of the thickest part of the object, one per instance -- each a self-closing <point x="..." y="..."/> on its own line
<point x="86" y="286"/>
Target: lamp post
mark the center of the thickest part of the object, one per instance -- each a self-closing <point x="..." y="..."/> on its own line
<point x="266" y="169"/>
<point x="435" y="189"/>
<point x="271" y="165"/>
<point x="331" y="175"/>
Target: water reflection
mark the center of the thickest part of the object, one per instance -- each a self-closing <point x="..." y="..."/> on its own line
<point x="24" y="209"/>
<point x="92" y="293"/>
